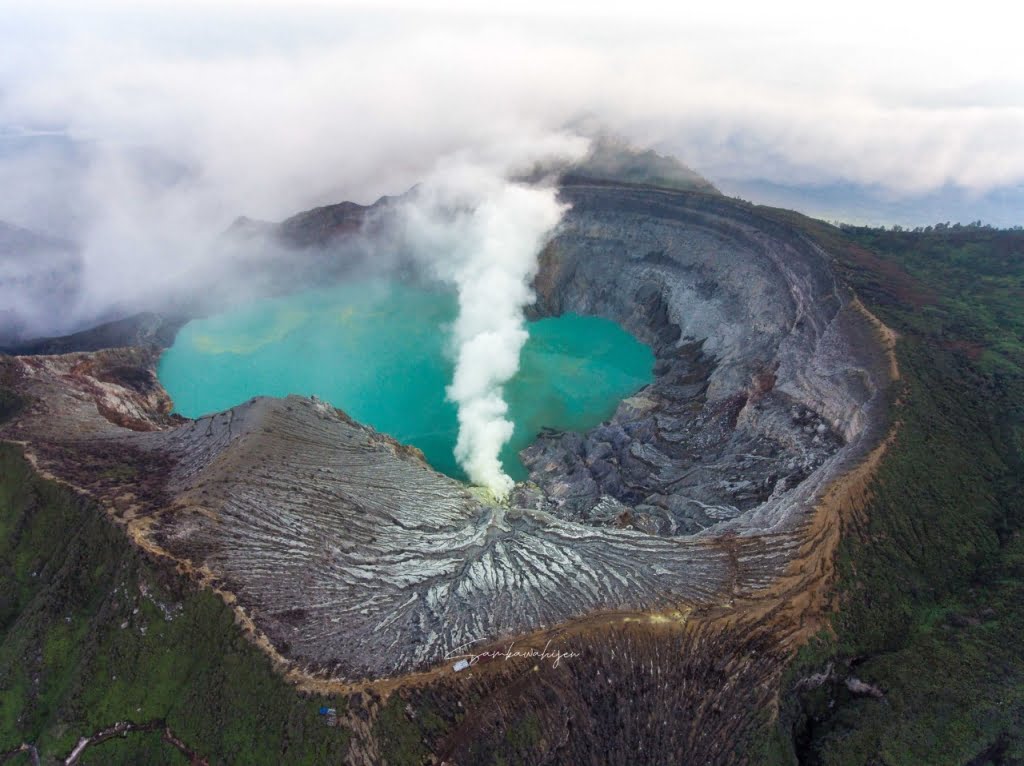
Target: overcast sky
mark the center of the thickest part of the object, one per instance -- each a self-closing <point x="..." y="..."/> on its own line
<point x="267" y="107"/>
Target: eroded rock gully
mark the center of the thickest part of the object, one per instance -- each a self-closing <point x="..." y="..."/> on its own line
<point x="349" y="559"/>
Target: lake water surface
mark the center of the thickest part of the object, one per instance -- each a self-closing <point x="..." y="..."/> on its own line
<point x="381" y="352"/>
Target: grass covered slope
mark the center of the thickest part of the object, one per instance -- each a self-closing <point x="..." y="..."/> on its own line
<point x="91" y="633"/>
<point x="931" y="575"/>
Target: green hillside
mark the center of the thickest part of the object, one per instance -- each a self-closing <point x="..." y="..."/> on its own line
<point x="932" y="583"/>
<point x="92" y="633"/>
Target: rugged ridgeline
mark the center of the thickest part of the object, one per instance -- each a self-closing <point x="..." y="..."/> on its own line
<point x="682" y="548"/>
<point x="38" y="272"/>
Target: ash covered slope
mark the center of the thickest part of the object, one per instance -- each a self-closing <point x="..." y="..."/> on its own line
<point x="355" y="557"/>
<point x="343" y="547"/>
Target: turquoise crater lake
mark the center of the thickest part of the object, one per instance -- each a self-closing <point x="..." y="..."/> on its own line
<point x="381" y="352"/>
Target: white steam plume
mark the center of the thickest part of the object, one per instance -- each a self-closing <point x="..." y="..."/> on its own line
<point x="483" y="235"/>
<point x="494" y="284"/>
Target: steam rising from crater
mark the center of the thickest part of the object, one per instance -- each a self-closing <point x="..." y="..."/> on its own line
<point x="482" y="234"/>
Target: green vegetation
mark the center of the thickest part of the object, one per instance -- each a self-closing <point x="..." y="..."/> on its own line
<point x="405" y="730"/>
<point x="976" y="275"/>
<point x="932" y="582"/>
<point x="92" y="633"/>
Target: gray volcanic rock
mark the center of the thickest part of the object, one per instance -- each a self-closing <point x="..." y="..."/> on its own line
<point x="768" y="378"/>
<point x="355" y="557"/>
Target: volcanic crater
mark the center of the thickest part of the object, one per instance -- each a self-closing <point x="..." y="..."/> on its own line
<point x="350" y="559"/>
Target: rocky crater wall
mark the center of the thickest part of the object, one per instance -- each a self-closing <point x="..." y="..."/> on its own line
<point x="349" y="558"/>
<point x="769" y="376"/>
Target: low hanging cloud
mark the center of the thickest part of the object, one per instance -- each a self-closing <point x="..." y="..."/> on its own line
<point x="140" y="131"/>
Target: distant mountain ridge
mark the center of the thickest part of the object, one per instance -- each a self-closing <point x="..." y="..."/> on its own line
<point x="609" y="160"/>
<point x="614" y="159"/>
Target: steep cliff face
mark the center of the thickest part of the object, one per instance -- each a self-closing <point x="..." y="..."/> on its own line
<point x="348" y="558"/>
<point x="769" y="379"/>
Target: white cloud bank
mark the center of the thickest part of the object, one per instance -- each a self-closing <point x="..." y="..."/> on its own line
<point x="275" y="105"/>
<point x="184" y="116"/>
